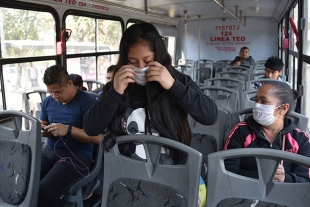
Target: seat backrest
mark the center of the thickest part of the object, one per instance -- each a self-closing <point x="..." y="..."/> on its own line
<point x="203" y="73"/>
<point x="255" y="76"/>
<point x="233" y="74"/>
<point x="93" y="85"/>
<point x="187" y="62"/>
<point x="20" y="158"/>
<point x="230" y="83"/>
<point x="205" y="63"/>
<point x="240" y="69"/>
<point x="218" y="130"/>
<point x="224" y="98"/>
<point x="254" y="84"/>
<point x="260" y="63"/>
<point x="32" y="103"/>
<point x="205" y="144"/>
<point x="247" y="66"/>
<point x="132" y="182"/>
<point x="301" y="121"/>
<point x="73" y="191"/>
<point x="222" y="63"/>
<point x="223" y="184"/>
<point x="247" y="99"/>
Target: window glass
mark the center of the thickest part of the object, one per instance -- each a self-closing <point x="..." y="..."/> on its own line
<point x="83" y="37"/>
<point x="109" y="35"/>
<point x="306" y="82"/>
<point x="22" y="77"/>
<point x="307" y="32"/>
<point x="26" y="33"/>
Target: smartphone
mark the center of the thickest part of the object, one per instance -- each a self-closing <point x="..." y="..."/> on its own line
<point x="42" y="128"/>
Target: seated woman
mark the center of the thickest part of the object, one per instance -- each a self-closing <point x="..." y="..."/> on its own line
<point x="269" y="128"/>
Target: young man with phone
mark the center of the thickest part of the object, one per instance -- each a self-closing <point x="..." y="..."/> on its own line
<point x="69" y="151"/>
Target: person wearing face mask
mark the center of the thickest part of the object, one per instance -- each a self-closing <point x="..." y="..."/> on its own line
<point x="148" y="96"/>
<point x="269" y="128"/>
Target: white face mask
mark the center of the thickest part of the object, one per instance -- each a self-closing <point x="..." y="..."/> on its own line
<point x="140" y="77"/>
<point x="263" y="114"/>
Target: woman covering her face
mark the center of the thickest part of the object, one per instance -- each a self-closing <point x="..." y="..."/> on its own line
<point x="147" y="95"/>
<point x="269" y="128"/>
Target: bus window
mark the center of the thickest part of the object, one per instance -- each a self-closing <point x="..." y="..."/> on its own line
<point x="26" y="33"/>
<point x="22" y="77"/>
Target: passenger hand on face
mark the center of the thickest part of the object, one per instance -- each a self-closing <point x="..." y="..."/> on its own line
<point x="159" y="73"/>
<point x="123" y="77"/>
<point x="57" y="130"/>
<point x="237" y="63"/>
<point x="280" y="174"/>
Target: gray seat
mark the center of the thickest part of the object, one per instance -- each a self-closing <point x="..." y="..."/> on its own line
<point x="73" y="192"/>
<point x="218" y="130"/>
<point x="239" y="69"/>
<point x="223" y="184"/>
<point x="20" y="158"/>
<point x="259" y="75"/>
<point x="32" y="102"/>
<point x="222" y="63"/>
<point x="132" y="182"/>
<point x="230" y="83"/>
<point x="224" y="98"/>
<point x="259" y="70"/>
<point x="205" y="63"/>
<point x="250" y="85"/>
<point x="187" y="62"/>
<point x="233" y="74"/>
<point x="301" y="121"/>
<point x="203" y="73"/>
<point x="94" y="85"/>
<point x="260" y="63"/>
<point x="247" y="98"/>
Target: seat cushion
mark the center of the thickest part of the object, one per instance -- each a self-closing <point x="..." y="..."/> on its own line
<point x="125" y="192"/>
<point x="15" y="162"/>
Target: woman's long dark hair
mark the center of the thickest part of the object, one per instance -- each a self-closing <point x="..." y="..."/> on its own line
<point x="166" y="115"/>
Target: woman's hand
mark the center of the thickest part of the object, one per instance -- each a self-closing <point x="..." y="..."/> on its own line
<point x="280" y="174"/>
<point x="123" y="77"/>
<point x="159" y="73"/>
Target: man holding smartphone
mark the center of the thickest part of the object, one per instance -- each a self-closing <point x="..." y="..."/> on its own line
<point x="69" y="151"/>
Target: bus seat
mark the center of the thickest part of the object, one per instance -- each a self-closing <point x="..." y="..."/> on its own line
<point x="73" y="192"/>
<point x="223" y="184"/>
<point x="255" y="76"/>
<point x="230" y="83"/>
<point x="32" y="102"/>
<point x="250" y="85"/>
<point x="188" y="62"/>
<point x="205" y="144"/>
<point x="259" y="70"/>
<point x="233" y="74"/>
<point x="20" y="158"/>
<point x="247" y="99"/>
<point x="222" y="63"/>
<point x="224" y="98"/>
<point x="218" y="130"/>
<point x="205" y="63"/>
<point x="203" y="73"/>
<point x="132" y="182"/>
<point x="247" y="66"/>
<point x="240" y="69"/>
<point x="301" y="121"/>
<point x="93" y="85"/>
<point x="260" y="63"/>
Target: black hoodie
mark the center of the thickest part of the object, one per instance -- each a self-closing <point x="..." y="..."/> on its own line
<point x="249" y="134"/>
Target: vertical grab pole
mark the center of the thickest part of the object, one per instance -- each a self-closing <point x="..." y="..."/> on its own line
<point x="185" y="37"/>
<point x="198" y="65"/>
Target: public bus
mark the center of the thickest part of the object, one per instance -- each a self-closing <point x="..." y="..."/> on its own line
<point x="32" y="33"/>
